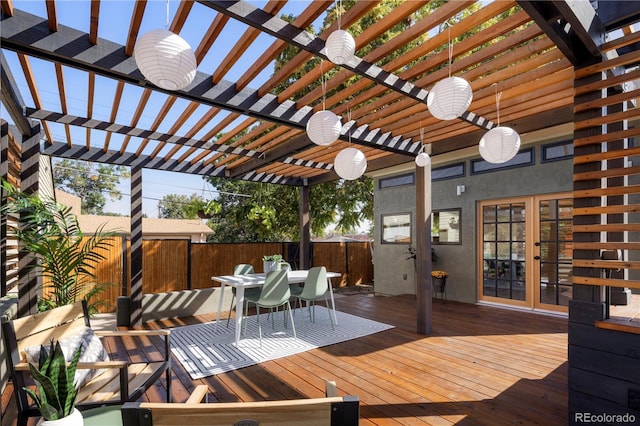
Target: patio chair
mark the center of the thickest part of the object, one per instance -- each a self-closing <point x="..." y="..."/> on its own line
<point x="315" y="287"/>
<point x="109" y="382"/>
<point x="273" y="294"/>
<point x="330" y="410"/>
<point x="241" y="269"/>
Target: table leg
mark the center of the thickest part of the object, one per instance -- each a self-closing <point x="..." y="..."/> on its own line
<point x="219" y="305"/>
<point x="333" y="302"/>
<point x="239" y="313"/>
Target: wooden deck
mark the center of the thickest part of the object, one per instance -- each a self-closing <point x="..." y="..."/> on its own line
<point x="482" y="365"/>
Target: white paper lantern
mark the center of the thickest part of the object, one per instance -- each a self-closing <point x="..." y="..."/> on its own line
<point x="423" y="159"/>
<point x="449" y="98"/>
<point x="340" y="47"/>
<point x="323" y="128"/>
<point x="165" y="59"/>
<point x="350" y="163"/>
<point x="499" y="145"/>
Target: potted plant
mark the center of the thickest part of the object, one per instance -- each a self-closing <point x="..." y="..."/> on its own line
<point x="56" y="391"/>
<point x="271" y="262"/>
<point x="439" y="280"/>
<point x="65" y="258"/>
<point x="209" y="209"/>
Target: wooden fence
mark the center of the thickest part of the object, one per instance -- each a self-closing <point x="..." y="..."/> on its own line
<point x="171" y="265"/>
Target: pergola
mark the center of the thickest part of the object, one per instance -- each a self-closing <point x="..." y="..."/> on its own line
<point x="527" y="50"/>
<point x="554" y="63"/>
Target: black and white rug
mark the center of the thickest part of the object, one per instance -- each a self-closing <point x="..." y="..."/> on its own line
<point x="205" y="350"/>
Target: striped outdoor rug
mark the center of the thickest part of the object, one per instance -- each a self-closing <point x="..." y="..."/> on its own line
<point x="204" y="350"/>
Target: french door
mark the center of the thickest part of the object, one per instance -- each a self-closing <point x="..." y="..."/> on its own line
<point x="526" y="251"/>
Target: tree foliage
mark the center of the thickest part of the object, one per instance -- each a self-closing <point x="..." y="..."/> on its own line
<point x="271" y="212"/>
<point x="180" y="206"/>
<point x="90" y="182"/>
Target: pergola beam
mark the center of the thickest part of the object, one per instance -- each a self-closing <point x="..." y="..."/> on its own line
<point x="98" y="155"/>
<point x="30" y="35"/>
<point x="267" y="23"/>
<point x="574" y="26"/>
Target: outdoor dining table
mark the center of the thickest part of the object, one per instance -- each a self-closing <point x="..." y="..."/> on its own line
<point x="240" y="282"/>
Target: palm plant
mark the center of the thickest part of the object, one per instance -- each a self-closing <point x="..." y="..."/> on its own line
<point x="56" y="391"/>
<point x="65" y="259"/>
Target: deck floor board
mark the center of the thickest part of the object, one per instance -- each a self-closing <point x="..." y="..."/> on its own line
<point x="481" y="365"/>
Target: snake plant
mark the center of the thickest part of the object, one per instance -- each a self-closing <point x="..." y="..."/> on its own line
<point x="57" y="393"/>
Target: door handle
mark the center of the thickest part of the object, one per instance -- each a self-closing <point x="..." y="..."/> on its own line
<point x="536" y="257"/>
<point x="537" y="244"/>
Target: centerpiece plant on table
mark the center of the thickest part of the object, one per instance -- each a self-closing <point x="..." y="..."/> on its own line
<point x="271" y="262"/>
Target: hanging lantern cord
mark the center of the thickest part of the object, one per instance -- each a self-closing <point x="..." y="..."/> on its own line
<point x="498" y="96"/>
<point x="450" y="48"/>
<point x="339" y="6"/>
<point x="349" y="121"/>
<point x="166" y="22"/>
<point x="421" y="139"/>
<point x="323" y="83"/>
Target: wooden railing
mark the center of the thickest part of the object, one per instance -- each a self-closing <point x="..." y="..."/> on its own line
<point x="172" y="265"/>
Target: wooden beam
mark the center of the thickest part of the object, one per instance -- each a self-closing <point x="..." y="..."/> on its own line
<point x="23" y="33"/>
<point x="11" y="98"/>
<point x="574" y="26"/>
<point x="258" y="18"/>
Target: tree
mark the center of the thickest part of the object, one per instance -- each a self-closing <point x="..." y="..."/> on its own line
<point x="180" y="206"/>
<point x="270" y="212"/>
<point x="90" y="182"/>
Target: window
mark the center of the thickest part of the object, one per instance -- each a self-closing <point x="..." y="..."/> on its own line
<point x="401" y="180"/>
<point x="522" y="158"/>
<point x="448" y="172"/>
<point x="446" y="227"/>
<point x="557" y="151"/>
<point x="396" y="228"/>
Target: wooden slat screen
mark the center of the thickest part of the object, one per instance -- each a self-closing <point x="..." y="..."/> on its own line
<point x="606" y="200"/>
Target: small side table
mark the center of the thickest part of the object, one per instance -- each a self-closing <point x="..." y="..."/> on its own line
<point x="440" y="286"/>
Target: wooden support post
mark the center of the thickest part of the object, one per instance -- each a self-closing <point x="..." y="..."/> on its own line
<point x="136" y="246"/>
<point x="424" y="291"/>
<point x="29" y="283"/>
<point x="305" y="229"/>
<point x="4" y="174"/>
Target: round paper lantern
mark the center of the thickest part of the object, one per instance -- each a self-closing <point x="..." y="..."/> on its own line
<point x="449" y="98"/>
<point x="323" y="128"/>
<point x="340" y="47"/>
<point x="499" y="145"/>
<point x="165" y="59"/>
<point x="350" y="163"/>
<point x="423" y="159"/>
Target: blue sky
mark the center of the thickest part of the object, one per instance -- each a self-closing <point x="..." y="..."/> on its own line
<point x="113" y="27"/>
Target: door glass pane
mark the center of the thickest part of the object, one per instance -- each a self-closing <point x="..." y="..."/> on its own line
<point x="518" y="231"/>
<point x="556" y="251"/>
<point x="517" y="212"/>
<point x="504" y="251"/>
<point x="489" y="214"/>
<point x="504" y="213"/>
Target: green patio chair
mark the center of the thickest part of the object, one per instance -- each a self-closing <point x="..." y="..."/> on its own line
<point x="242" y="269"/>
<point x="273" y="294"/>
<point x="315" y="287"/>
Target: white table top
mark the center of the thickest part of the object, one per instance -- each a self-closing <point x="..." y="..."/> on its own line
<point x="255" y="280"/>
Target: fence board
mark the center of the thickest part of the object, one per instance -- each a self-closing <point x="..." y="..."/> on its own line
<point x="165" y="264"/>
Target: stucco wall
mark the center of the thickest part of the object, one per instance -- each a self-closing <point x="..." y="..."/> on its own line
<point x="459" y="260"/>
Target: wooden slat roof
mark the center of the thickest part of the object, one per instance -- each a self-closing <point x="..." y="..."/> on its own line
<point x="91" y="115"/>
